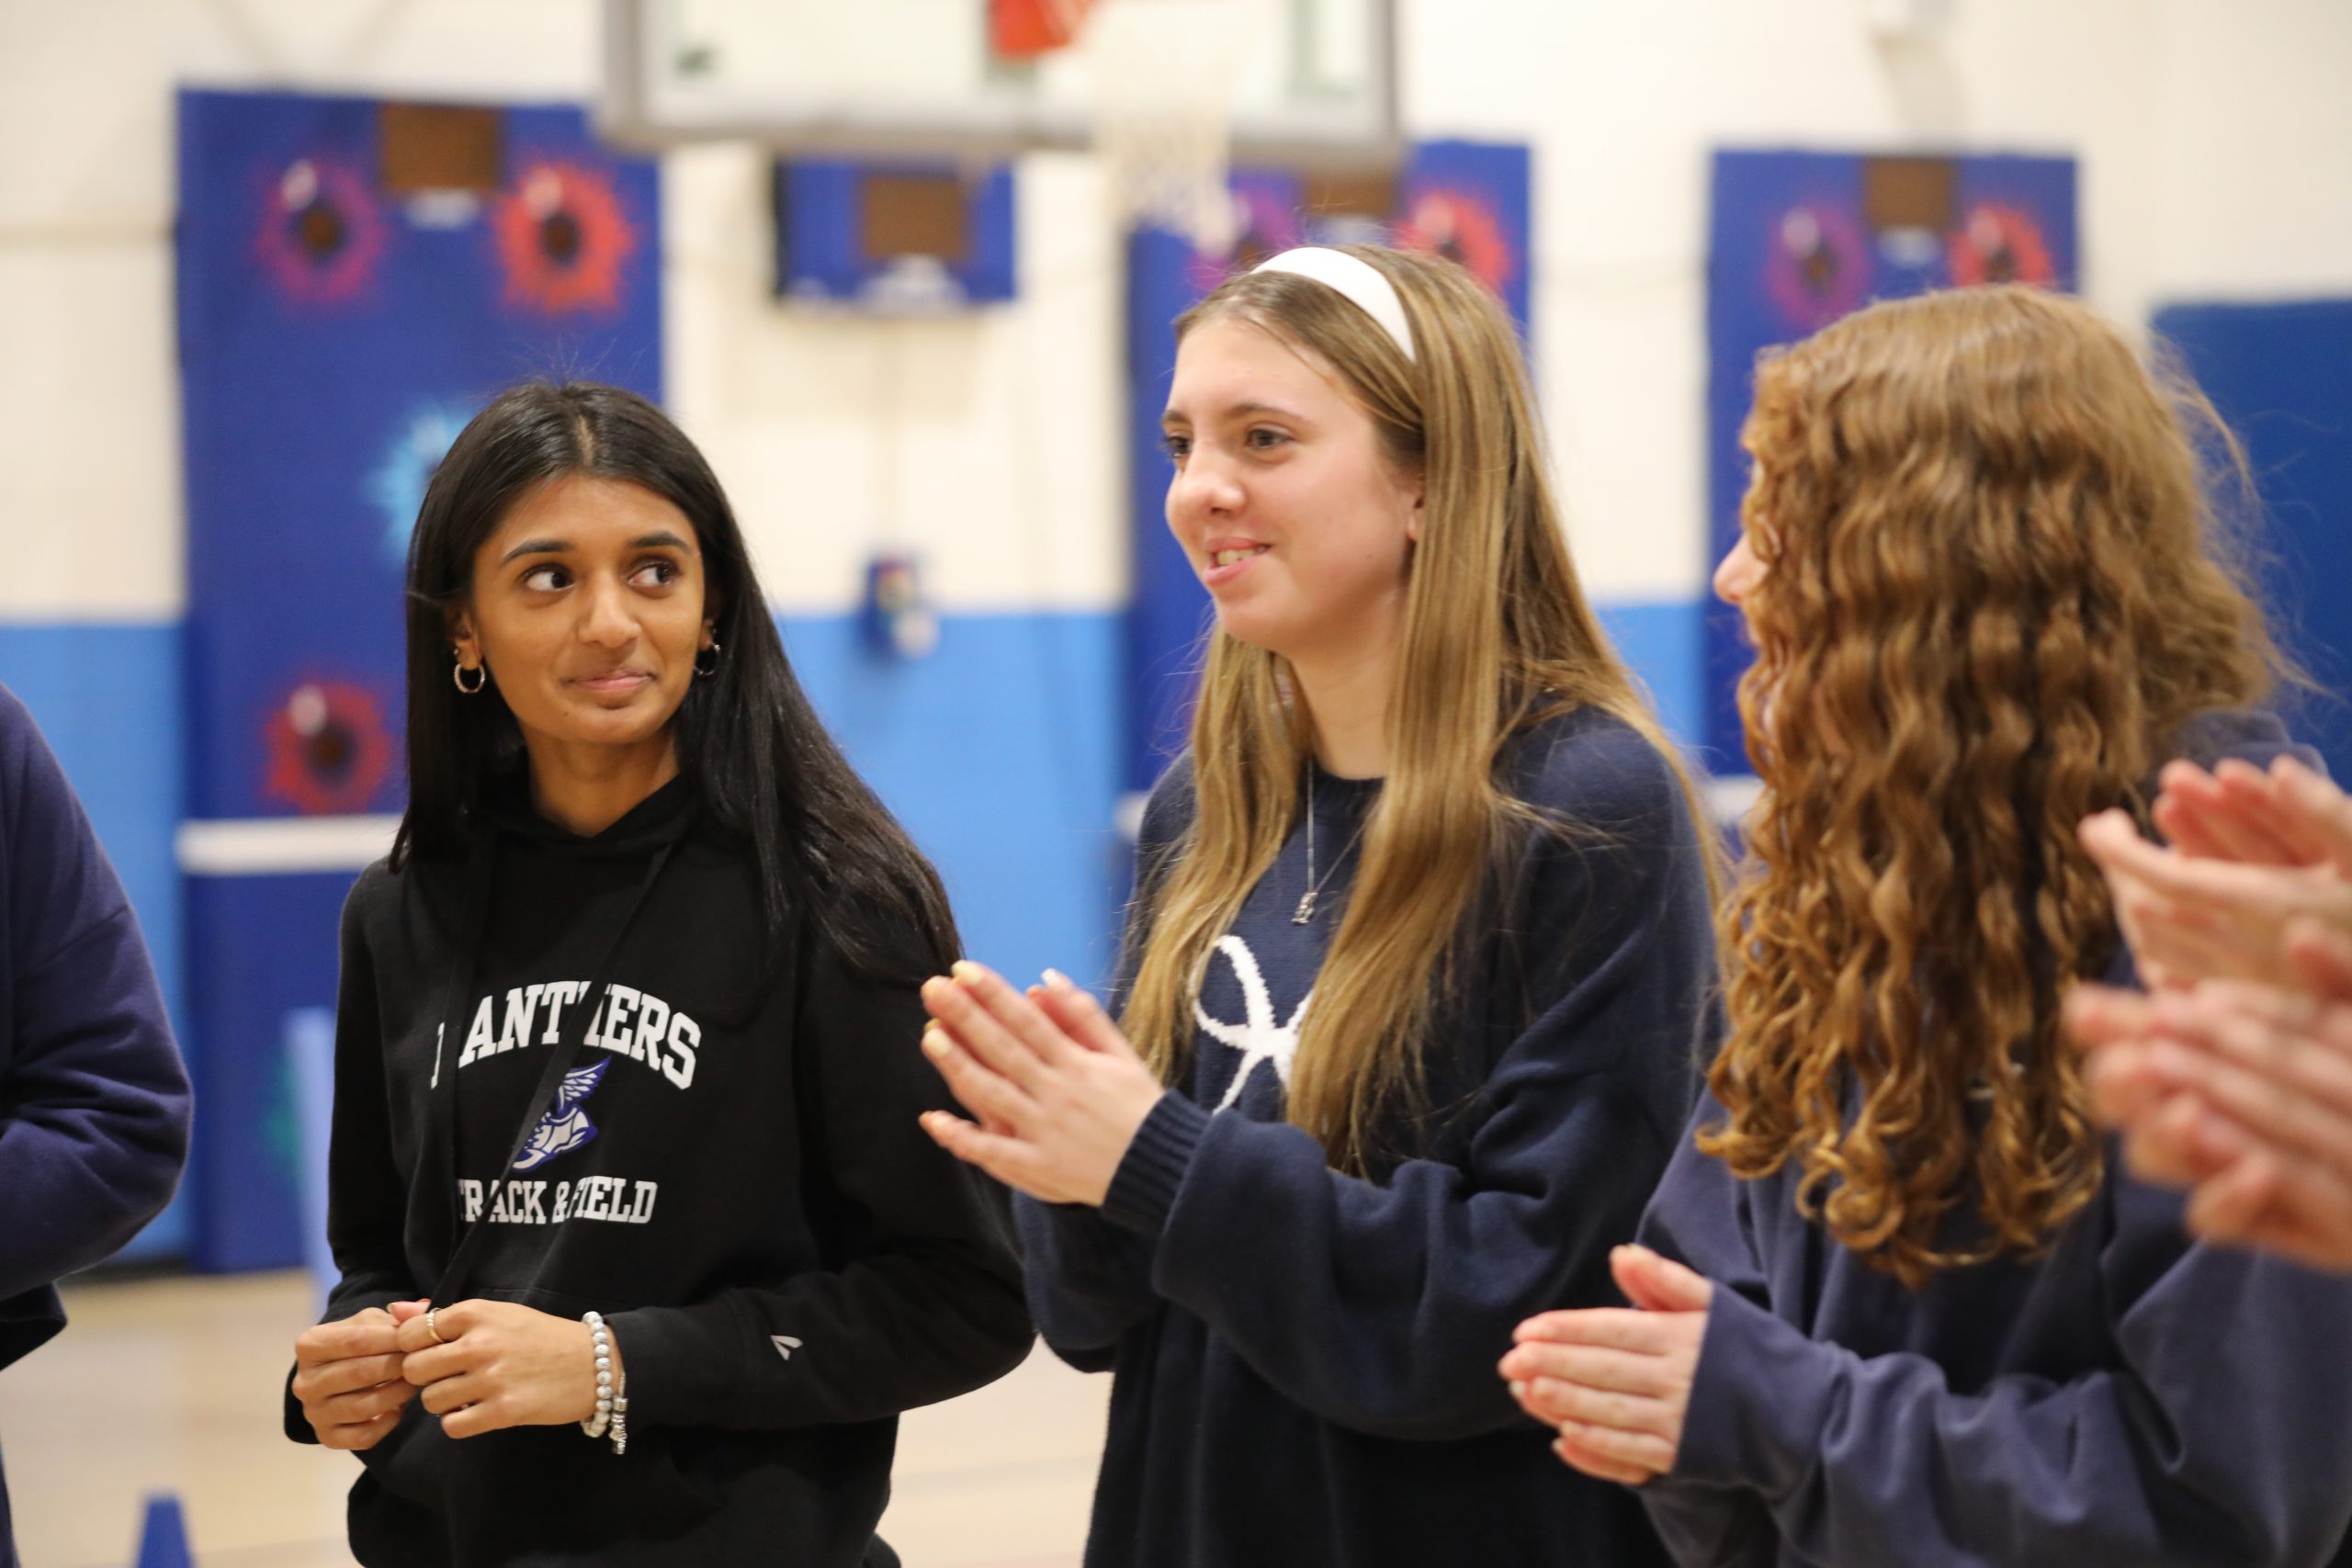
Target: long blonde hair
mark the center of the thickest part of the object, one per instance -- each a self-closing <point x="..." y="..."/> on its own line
<point x="1497" y="635"/>
<point x="1992" y="594"/>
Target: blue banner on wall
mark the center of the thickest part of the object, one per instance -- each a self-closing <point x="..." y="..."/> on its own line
<point x="2281" y="375"/>
<point x="1798" y="239"/>
<point x="356" y="279"/>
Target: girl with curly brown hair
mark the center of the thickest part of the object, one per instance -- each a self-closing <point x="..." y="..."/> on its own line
<point x="1898" y="1304"/>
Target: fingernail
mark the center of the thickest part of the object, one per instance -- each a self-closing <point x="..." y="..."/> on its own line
<point x="970" y="973"/>
<point x="1518" y="1392"/>
<point x="1058" y="980"/>
<point x="934" y="1046"/>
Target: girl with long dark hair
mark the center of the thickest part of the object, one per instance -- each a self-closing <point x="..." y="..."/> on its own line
<point x="643" y="1249"/>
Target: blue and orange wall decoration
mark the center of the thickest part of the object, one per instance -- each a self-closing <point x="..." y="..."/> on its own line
<point x="1799" y="239"/>
<point x="337" y="330"/>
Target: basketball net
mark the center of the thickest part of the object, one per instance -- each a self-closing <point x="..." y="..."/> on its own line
<point x="1165" y="75"/>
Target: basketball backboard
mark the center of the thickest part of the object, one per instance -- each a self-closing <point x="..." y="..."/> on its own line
<point x="1314" y="81"/>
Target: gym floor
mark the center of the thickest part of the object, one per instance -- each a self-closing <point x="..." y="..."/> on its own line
<point x="172" y="1385"/>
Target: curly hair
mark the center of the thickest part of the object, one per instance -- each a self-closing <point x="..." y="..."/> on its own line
<point x="1993" y="591"/>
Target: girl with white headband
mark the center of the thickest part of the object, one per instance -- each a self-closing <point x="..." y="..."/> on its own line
<point x="1413" y="981"/>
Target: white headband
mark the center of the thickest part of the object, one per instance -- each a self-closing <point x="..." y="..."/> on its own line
<point x="1361" y="282"/>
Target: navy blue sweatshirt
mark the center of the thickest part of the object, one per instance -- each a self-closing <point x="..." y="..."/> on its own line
<point x="2133" y="1397"/>
<point x="94" y="1102"/>
<point x="1304" y="1360"/>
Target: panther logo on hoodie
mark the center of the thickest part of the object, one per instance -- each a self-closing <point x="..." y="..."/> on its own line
<point x="565" y="1126"/>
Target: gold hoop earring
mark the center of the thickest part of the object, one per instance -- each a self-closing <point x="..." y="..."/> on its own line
<point x="457" y="673"/>
<point x="711" y="667"/>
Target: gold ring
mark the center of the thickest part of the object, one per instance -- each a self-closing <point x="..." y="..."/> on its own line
<point x="433" y="1329"/>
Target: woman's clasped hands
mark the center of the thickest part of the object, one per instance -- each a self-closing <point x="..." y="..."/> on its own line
<point x="481" y="1365"/>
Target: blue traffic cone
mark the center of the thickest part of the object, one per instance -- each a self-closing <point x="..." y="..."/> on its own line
<point x="162" y="1536"/>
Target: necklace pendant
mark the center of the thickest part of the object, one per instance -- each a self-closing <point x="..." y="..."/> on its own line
<point x="1305" y="911"/>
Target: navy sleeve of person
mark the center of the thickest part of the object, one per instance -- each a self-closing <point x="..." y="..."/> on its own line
<point x="94" y="1100"/>
<point x="2206" y="1415"/>
<point x="1089" y="1281"/>
<point x="94" y="1105"/>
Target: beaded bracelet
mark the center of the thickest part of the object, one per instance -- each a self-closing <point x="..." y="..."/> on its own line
<point x="612" y="1400"/>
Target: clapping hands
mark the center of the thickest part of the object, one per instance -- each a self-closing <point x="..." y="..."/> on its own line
<point x="2235" y="1079"/>
<point x="1615" y="1381"/>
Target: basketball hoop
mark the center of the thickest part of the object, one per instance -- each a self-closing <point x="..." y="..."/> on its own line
<point x="1027" y="30"/>
<point x="1169" y="92"/>
<point x="1165" y="73"/>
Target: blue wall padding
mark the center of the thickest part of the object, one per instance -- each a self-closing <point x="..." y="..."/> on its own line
<point x="259" y="948"/>
<point x="333" y="335"/>
<point x="1169" y="613"/>
<point x="2281" y="375"/>
<point x="1759" y="294"/>
<point x="310" y="1063"/>
<point x="309" y="383"/>
<point x="1472" y="201"/>
<point x="1000" y="753"/>
<point x="106" y="696"/>
<point x="1660" y="641"/>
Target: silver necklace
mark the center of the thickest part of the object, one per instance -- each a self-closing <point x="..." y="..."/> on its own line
<point x="1305" y="911"/>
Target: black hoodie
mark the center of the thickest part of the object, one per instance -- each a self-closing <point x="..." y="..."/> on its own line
<point x="733" y="1174"/>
